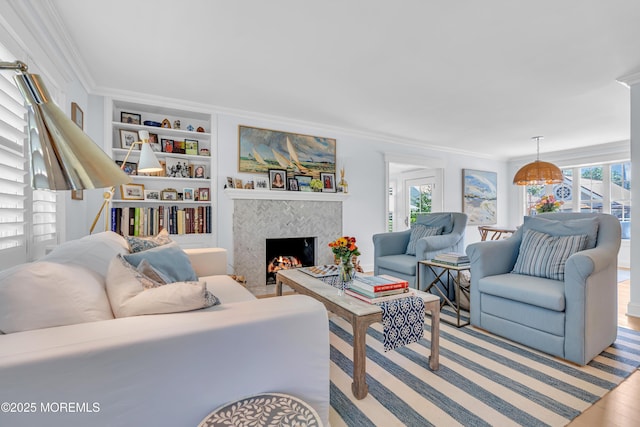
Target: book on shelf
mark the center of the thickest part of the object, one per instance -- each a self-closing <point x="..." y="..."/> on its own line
<point x="380" y="283"/>
<point x="406" y="293"/>
<point x="363" y="290"/>
<point x="148" y="221"/>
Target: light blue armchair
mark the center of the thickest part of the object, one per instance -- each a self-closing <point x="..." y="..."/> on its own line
<point x="390" y="249"/>
<point x="573" y="317"/>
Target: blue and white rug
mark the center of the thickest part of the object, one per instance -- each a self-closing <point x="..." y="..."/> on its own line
<point x="482" y="380"/>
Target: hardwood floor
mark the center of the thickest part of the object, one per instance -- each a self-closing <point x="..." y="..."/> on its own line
<point x="620" y="406"/>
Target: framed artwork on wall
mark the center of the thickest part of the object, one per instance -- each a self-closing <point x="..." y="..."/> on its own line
<point x="262" y="149"/>
<point x="480" y="196"/>
<point x="77" y="116"/>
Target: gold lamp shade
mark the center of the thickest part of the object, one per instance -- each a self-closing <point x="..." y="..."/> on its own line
<point x="63" y="157"/>
<point x="538" y="172"/>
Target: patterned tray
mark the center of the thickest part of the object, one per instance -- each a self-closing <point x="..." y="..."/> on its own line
<point x="320" y="270"/>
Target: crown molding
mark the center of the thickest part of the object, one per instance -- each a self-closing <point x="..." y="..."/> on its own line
<point x="630" y="79"/>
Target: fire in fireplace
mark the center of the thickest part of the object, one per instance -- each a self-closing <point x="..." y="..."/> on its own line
<point x="288" y="253"/>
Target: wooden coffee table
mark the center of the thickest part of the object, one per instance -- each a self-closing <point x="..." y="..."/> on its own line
<point x="360" y="315"/>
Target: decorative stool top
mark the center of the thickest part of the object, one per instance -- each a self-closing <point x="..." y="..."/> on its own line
<point x="262" y="410"/>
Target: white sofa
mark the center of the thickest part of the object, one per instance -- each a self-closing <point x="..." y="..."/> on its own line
<point x="161" y="370"/>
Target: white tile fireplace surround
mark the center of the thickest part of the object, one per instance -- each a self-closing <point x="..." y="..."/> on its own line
<point x="256" y="220"/>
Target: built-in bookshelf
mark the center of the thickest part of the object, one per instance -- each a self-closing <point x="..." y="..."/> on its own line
<point x="180" y="197"/>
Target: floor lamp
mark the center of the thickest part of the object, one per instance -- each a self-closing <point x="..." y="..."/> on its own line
<point x="62" y="156"/>
<point x="147" y="163"/>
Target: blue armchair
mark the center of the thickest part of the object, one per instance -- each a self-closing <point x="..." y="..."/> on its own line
<point x="390" y="249"/>
<point x="567" y="309"/>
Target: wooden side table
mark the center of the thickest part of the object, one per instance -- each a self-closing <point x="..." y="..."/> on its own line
<point x="451" y="273"/>
<point x="496" y="232"/>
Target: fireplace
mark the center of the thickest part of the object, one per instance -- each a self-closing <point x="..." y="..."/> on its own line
<point x="287" y="253"/>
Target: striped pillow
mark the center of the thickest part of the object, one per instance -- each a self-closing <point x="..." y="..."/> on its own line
<point x="418" y="231"/>
<point x="543" y="255"/>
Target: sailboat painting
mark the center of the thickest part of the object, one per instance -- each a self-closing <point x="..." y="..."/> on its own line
<point x="262" y="149"/>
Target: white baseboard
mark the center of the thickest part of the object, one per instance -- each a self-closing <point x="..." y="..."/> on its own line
<point x="633" y="309"/>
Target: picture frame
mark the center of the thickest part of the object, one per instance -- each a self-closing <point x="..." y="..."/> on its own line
<point x="479" y="196"/>
<point x="262" y="184"/>
<point x="230" y="182"/>
<point x="188" y="194"/>
<point x="328" y="182"/>
<point x="130" y="168"/>
<point x="132" y="191"/>
<point x="191" y="147"/>
<point x="259" y="148"/>
<point x="176" y="167"/>
<point x="77" y="116"/>
<point x="304" y="182"/>
<point x="203" y="194"/>
<point x="151" y="195"/>
<point x="293" y="184"/>
<point x="167" y="145"/>
<point x="238" y="183"/>
<point x="199" y="170"/>
<point x="128" y="137"/>
<point x="77" y="194"/>
<point x="169" y="194"/>
<point x="178" y="146"/>
<point x="130" y="118"/>
<point x="155" y="142"/>
<point x="278" y="179"/>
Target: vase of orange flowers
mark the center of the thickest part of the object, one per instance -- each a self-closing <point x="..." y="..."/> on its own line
<point x="548" y="204"/>
<point x="344" y="248"/>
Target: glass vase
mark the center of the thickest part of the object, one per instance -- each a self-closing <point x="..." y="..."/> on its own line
<point x="347" y="273"/>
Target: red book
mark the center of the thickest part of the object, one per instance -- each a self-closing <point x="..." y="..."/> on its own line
<point x="381" y="283"/>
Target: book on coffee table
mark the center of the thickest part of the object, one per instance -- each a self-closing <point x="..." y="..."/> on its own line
<point x="407" y="292"/>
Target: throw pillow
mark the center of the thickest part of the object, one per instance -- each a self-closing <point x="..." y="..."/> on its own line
<point x="145" y="268"/>
<point x="569" y="227"/>
<point x="418" y="231"/>
<point x="170" y="261"/>
<point x="544" y="255"/>
<point x="131" y="293"/>
<point x="441" y="219"/>
<point x="139" y="244"/>
<point x="45" y="294"/>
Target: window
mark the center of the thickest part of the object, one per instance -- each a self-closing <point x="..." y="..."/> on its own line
<point x="28" y="218"/>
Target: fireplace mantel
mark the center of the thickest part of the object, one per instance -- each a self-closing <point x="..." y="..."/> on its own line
<point x="238" y="194"/>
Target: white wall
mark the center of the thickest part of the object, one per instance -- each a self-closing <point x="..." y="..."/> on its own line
<point x="364" y="212"/>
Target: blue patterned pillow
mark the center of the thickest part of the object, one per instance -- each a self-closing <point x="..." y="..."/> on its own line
<point x="139" y="244"/>
<point x="418" y="231"/>
<point x="170" y="261"/>
<point x="543" y="255"/>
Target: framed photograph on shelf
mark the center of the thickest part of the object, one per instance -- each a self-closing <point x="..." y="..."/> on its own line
<point x="178" y="146"/>
<point x="328" y="182"/>
<point x="262" y="184"/>
<point x="304" y="182"/>
<point x="167" y="145"/>
<point x="77" y="116"/>
<point x="187" y="194"/>
<point x="191" y="147"/>
<point x="128" y="137"/>
<point x="293" y="184"/>
<point x="155" y="142"/>
<point x="238" y="183"/>
<point x="130" y="168"/>
<point x="151" y="195"/>
<point x="176" y="167"/>
<point x="203" y="194"/>
<point x="132" y="191"/>
<point x="479" y="196"/>
<point x="230" y="182"/>
<point x="199" y="170"/>
<point x="131" y="118"/>
<point x="277" y="179"/>
<point x="169" y="194"/>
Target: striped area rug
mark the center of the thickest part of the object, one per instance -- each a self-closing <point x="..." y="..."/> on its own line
<point x="482" y="380"/>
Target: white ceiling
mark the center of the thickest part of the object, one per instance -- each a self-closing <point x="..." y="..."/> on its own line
<point x="482" y="76"/>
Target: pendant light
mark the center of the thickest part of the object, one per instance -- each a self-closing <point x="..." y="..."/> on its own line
<point x="538" y="173"/>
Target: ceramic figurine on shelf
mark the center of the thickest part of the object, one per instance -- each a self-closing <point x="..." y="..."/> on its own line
<point x="190" y="128"/>
<point x="176" y="124"/>
<point x="166" y="124"/>
<point x="200" y="129"/>
<point x="343" y="187"/>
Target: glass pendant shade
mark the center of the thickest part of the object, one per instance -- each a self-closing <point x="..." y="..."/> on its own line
<point x="62" y="156"/>
<point x="538" y="172"/>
